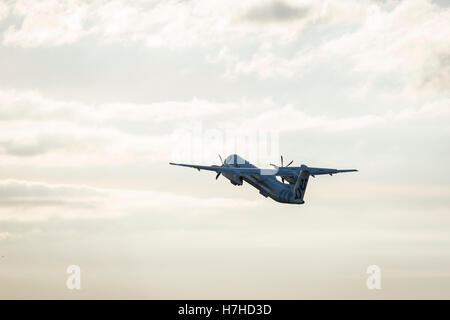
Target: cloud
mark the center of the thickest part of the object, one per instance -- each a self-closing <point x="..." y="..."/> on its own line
<point x="47" y="22"/>
<point x="30" y="201"/>
<point x="34" y="201"/>
<point x="265" y="64"/>
<point x="34" y="125"/>
<point x="168" y="23"/>
<point x="67" y="143"/>
<point x="293" y="119"/>
<point x="405" y="43"/>
<point x="30" y="105"/>
<point x="41" y="130"/>
<point x="5" y="235"/>
<point x="4" y="10"/>
<point x="435" y="75"/>
<point x="273" y="12"/>
<point x="163" y="24"/>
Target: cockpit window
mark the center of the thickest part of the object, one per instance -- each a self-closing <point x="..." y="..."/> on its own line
<point x="235" y="160"/>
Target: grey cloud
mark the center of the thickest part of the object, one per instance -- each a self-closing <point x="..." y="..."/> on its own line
<point x="273" y="12"/>
<point x="34" y="203"/>
<point x="16" y="188"/>
<point x="23" y="200"/>
<point x="30" y="148"/>
<point x="44" y="143"/>
<point x="31" y="195"/>
<point x="436" y="75"/>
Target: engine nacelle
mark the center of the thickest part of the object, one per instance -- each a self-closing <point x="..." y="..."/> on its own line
<point x="234" y="179"/>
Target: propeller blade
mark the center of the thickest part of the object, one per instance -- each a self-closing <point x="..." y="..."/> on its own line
<point x="274" y="165"/>
<point x="218" y="174"/>
<point x="221" y="159"/>
<point x="282" y="161"/>
<point x="282" y="179"/>
<point x="290" y="163"/>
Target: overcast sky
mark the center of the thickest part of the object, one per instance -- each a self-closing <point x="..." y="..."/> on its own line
<point x="94" y="95"/>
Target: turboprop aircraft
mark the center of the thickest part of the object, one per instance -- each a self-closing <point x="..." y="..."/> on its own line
<point x="238" y="170"/>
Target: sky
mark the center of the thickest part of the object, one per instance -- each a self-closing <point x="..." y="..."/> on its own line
<point x="97" y="97"/>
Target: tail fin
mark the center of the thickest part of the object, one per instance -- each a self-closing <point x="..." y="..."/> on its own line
<point x="300" y="185"/>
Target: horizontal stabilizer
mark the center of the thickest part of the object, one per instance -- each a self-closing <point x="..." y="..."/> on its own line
<point x="319" y="171"/>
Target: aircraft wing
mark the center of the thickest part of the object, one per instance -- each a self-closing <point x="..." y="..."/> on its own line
<point x="319" y="171"/>
<point x="286" y="172"/>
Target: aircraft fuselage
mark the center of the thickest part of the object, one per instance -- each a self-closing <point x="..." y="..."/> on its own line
<point x="239" y="170"/>
<point x="267" y="185"/>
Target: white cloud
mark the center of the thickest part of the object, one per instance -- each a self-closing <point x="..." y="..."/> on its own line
<point x="31" y="105"/>
<point x="48" y="22"/>
<point x="296" y="120"/>
<point x="264" y="64"/>
<point x="4" y="10"/>
<point x="36" y="129"/>
<point x="172" y="23"/>
<point x="167" y="23"/>
<point x="75" y="133"/>
<point x="293" y="119"/>
<point x="413" y="41"/>
<point x="70" y="144"/>
<point x="409" y="42"/>
<point x="5" y="235"/>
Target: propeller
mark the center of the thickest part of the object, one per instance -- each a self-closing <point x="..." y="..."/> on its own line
<point x="218" y="173"/>
<point x="282" y="166"/>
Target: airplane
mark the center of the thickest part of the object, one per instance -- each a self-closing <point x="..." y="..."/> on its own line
<point x="238" y="170"/>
